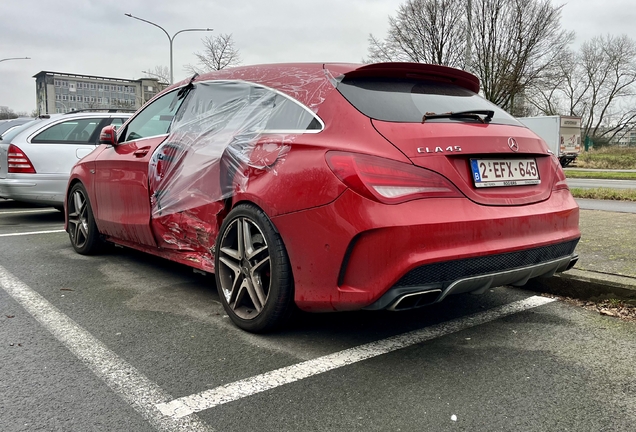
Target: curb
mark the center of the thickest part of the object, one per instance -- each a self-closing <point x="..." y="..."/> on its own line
<point x="587" y="285"/>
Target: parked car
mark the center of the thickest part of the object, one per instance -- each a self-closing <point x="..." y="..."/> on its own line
<point x="332" y="187"/>
<point x="36" y="158"/>
<point x="7" y="125"/>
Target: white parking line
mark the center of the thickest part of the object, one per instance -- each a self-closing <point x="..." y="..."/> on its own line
<point x="239" y="389"/>
<point x="131" y="385"/>
<point x="48" y="210"/>
<point x="31" y="233"/>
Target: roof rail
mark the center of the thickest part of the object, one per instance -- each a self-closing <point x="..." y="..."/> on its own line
<point x="110" y="110"/>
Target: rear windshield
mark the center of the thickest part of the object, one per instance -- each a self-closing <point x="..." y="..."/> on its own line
<point x="407" y="101"/>
<point x="11" y="133"/>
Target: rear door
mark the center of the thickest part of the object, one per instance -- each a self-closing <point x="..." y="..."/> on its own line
<point x="55" y="149"/>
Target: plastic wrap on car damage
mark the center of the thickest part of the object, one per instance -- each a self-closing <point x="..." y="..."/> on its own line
<point x="224" y="131"/>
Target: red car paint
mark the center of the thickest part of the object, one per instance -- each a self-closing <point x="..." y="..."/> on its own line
<point x="346" y="250"/>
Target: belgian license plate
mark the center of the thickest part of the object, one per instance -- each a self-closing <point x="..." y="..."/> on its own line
<point x="504" y="172"/>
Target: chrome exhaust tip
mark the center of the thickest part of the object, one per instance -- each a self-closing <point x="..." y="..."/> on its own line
<point x="415" y="300"/>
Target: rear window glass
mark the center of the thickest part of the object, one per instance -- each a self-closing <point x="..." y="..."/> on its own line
<point x="10" y="134"/>
<point x="407" y="101"/>
<point x="72" y="131"/>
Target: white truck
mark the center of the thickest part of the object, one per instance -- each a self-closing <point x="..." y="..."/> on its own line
<point x="561" y="133"/>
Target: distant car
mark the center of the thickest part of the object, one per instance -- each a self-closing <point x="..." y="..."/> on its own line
<point x="7" y="125"/>
<point x="36" y="158"/>
<point x="332" y="186"/>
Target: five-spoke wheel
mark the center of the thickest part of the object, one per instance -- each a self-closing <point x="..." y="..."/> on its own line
<point x="81" y="224"/>
<point x="252" y="270"/>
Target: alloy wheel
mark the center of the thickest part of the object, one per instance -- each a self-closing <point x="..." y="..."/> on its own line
<point x="78" y="219"/>
<point x="244" y="270"/>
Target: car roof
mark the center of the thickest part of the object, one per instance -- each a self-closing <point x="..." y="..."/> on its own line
<point x="304" y="81"/>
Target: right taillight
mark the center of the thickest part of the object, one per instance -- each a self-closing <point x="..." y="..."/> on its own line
<point x="560" y="182"/>
<point x="18" y="162"/>
<point x="388" y="181"/>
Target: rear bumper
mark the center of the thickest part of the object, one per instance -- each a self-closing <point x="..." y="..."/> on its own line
<point x="349" y="254"/>
<point x="42" y="189"/>
<point x="472" y="275"/>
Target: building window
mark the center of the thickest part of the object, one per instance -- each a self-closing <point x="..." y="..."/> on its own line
<point x="57" y="97"/>
<point x="63" y="97"/>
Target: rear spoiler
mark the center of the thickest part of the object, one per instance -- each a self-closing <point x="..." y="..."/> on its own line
<point x="417" y="71"/>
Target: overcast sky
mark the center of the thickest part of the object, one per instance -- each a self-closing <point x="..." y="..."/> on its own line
<point x="93" y="37"/>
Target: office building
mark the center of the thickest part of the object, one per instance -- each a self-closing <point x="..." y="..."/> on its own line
<point x="63" y="92"/>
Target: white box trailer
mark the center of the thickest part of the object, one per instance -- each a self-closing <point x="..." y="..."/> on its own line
<point x="562" y="134"/>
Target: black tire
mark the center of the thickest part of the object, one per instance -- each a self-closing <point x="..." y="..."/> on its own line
<point x="252" y="270"/>
<point x="82" y="229"/>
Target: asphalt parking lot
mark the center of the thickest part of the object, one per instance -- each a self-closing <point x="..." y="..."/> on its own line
<point x="126" y="341"/>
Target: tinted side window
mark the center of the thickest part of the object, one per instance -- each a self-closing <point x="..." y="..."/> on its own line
<point x="407" y="100"/>
<point x="76" y="131"/>
<point x="288" y="115"/>
<point x="155" y="119"/>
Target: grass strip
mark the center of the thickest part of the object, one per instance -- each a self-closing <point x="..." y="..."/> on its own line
<point x="605" y="194"/>
<point x="606" y="175"/>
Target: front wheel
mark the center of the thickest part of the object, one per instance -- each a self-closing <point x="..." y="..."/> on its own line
<point x="82" y="229"/>
<point x="253" y="273"/>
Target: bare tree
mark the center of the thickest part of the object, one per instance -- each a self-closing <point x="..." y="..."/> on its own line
<point x="516" y="42"/>
<point x="424" y="31"/>
<point x="509" y="44"/>
<point x="7" y="113"/>
<point x="162" y="73"/>
<point x="219" y="53"/>
<point x="598" y="83"/>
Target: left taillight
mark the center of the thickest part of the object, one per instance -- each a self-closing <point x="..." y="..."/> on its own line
<point x="388" y="181"/>
<point x="18" y="162"/>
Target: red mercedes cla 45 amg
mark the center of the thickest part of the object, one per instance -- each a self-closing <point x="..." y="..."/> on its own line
<point x="329" y="187"/>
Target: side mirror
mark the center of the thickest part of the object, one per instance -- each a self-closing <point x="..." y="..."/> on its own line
<point x="108" y="136"/>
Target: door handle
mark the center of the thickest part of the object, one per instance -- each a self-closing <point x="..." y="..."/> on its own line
<point x="141" y="152"/>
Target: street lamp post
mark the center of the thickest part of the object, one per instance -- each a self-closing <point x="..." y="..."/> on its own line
<point x="169" y="37"/>
<point x="15" y="58"/>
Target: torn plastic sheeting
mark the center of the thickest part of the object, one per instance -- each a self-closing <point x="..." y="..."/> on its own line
<point x="224" y="132"/>
<point x="215" y="136"/>
<point x="309" y="86"/>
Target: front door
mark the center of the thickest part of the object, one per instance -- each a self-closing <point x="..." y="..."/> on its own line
<point x="121" y="173"/>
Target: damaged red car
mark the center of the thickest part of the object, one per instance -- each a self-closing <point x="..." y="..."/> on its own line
<point x="329" y="187"/>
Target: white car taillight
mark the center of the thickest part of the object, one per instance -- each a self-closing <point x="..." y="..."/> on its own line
<point x="18" y="162"/>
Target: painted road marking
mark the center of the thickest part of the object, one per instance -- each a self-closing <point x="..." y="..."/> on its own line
<point x="126" y="381"/>
<point x="188" y="405"/>
<point x="31" y="233"/>
<point x="28" y="211"/>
